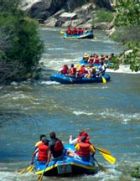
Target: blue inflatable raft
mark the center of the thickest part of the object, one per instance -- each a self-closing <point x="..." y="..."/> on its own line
<point x="88" y="34"/>
<point x="66" y="79"/>
<point x="67" y="165"/>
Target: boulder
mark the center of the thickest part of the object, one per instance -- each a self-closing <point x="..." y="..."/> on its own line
<point x="45" y="8"/>
<point x="73" y="23"/>
<point x="110" y="31"/>
<point x="101" y="25"/>
<point x="51" y="22"/>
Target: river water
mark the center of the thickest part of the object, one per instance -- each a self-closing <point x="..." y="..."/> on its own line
<point x="110" y="112"/>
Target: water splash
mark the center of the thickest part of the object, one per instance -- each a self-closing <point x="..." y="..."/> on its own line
<point x="82" y="113"/>
<point x="110" y="114"/>
<point x="49" y="83"/>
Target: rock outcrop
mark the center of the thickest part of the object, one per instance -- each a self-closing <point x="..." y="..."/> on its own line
<point x="50" y="12"/>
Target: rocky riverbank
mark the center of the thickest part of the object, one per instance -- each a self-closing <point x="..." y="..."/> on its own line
<point x="61" y="13"/>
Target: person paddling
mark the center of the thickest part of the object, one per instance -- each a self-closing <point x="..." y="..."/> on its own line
<point x="84" y="149"/>
<point x="76" y="140"/>
<point x="42" y="136"/>
<point x="41" y="153"/>
<point x="55" y="147"/>
<point x="37" y="144"/>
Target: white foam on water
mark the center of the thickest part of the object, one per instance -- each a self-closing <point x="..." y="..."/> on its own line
<point x="20" y="96"/>
<point x="55" y="49"/>
<point x="48" y="28"/>
<point x="111" y="174"/>
<point x="49" y="83"/>
<point x="123" y="69"/>
<point x="56" y="64"/>
<point x="94" y="86"/>
<point x="14" y="83"/>
<point x="16" y="95"/>
<point x="15" y="176"/>
<point x="103" y="41"/>
<point x="104" y="87"/>
<point x="77" y="113"/>
<point x="124" y="118"/>
<point x="111" y="114"/>
<point x="57" y="61"/>
<point x="7" y="176"/>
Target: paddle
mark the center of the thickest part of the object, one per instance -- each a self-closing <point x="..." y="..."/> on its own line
<point x="103" y="80"/>
<point x="107" y="155"/>
<point x="102" y="168"/>
<point x="26" y="169"/>
<point x="62" y="32"/>
<point x="41" y="173"/>
<point x="40" y="177"/>
<point x="103" y="150"/>
<point x="109" y="158"/>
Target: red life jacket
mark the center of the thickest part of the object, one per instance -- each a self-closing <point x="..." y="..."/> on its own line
<point x="84" y="149"/>
<point x="97" y="60"/>
<point x="43" y="152"/>
<point x="64" y="70"/>
<point x="58" y="146"/>
<point x="73" y="71"/>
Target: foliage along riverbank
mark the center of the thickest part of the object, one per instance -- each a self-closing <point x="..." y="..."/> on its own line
<point x="126" y="30"/>
<point x="20" y="45"/>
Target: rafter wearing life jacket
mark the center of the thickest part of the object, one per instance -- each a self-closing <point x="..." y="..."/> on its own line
<point x="85" y="134"/>
<point x="43" y="152"/>
<point x="72" y="71"/>
<point x="84" y="149"/>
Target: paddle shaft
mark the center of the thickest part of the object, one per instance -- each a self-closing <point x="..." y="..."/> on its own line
<point x="102" y="168"/>
<point x="103" y="150"/>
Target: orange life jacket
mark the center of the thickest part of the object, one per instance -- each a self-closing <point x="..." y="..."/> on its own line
<point x="82" y="70"/>
<point x="43" y="152"/>
<point x="38" y="143"/>
<point x="84" y="149"/>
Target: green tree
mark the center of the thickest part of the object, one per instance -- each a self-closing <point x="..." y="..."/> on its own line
<point x="20" y="45"/>
<point x="127" y="23"/>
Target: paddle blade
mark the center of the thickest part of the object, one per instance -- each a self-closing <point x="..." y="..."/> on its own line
<point x="40" y="177"/>
<point x="103" y="80"/>
<point x="21" y="171"/>
<point x="26" y="169"/>
<point x="62" y="32"/>
<point x="109" y="158"/>
<point x="30" y="168"/>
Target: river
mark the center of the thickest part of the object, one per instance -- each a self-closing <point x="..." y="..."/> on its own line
<point x="110" y="112"/>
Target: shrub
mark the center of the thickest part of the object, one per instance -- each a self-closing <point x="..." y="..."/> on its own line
<point x="20" y="44"/>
